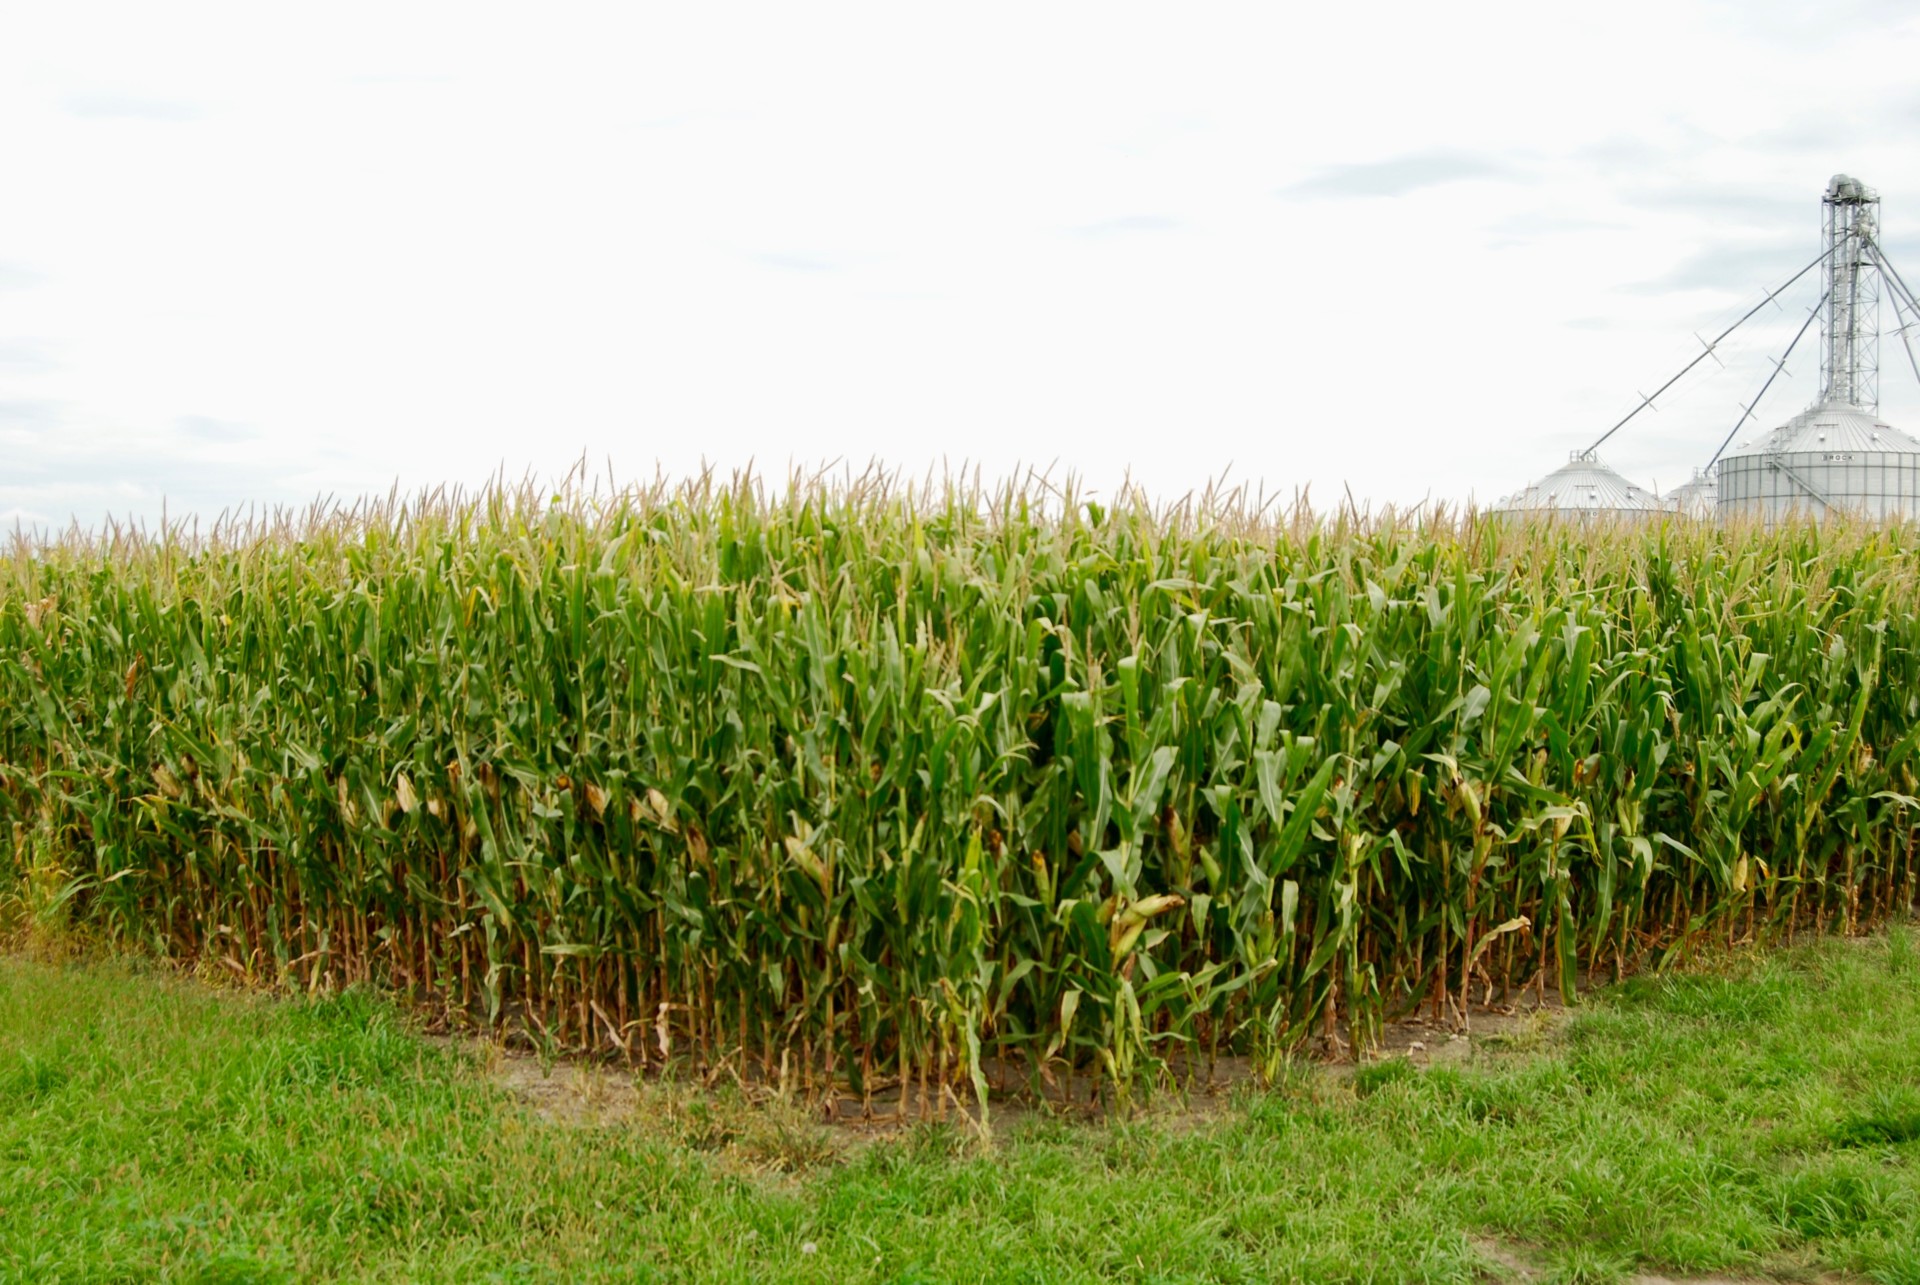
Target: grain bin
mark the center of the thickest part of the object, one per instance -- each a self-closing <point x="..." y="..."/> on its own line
<point x="1838" y="456"/>
<point x="1583" y="487"/>
<point x="1697" y="497"/>
<point x="1826" y="461"/>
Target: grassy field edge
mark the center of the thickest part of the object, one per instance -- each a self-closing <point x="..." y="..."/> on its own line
<point x="1761" y="1113"/>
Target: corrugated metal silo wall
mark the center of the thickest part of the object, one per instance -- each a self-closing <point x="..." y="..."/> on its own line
<point x="1877" y="485"/>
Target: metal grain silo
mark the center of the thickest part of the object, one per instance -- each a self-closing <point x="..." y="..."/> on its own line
<point x="1838" y="456"/>
<point x="1697" y="497"/>
<point x="1583" y="487"/>
<point x="1833" y="459"/>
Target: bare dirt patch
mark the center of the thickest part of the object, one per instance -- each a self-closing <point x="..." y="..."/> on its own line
<point x="1511" y="1262"/>
<point x="581" y="1092"/>
<point x="577" y="1093"/>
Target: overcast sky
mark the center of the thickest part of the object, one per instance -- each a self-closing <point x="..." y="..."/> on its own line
<point x="251" y="254"/>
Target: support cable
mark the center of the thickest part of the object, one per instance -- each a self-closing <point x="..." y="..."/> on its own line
<point x="1899" y="314"/>
<point x="1648" y="401"/>
<point x="1900" y="292"/>
<point x="1893" y="273"/>
<point x="1754" y="405"/>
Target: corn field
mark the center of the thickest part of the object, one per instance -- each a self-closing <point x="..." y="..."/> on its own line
<point x="860" y="786"/>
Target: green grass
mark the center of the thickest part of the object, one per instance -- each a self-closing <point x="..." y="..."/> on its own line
<point x="1763" y="1116"/>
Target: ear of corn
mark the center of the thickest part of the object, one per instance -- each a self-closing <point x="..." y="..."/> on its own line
<point x="859" y="785"/>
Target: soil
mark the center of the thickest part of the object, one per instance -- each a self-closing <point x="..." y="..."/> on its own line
<point x="1513" y="1263"/>
<point x="579" y="1092"/>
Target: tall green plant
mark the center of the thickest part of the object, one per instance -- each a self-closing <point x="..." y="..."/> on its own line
<point x="864" y="785"/>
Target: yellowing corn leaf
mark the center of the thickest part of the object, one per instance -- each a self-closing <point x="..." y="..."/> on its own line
<point x="1512" y="925"/>
<point x="661" y="810"/>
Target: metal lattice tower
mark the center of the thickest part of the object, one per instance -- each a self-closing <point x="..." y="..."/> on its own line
<point x="1850" y="321"/>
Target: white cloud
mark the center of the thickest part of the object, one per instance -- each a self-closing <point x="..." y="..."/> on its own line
<point x="1400" y="175"/>
<point x="113" y="106"/>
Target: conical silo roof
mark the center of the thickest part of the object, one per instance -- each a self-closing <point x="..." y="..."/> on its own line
<point x="1697" y="497"/>
<point x="1583" y="485"/>
<point x="1832" y="427"/>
